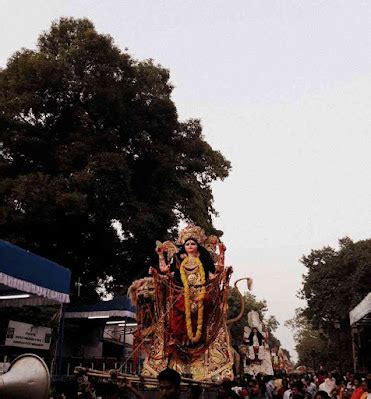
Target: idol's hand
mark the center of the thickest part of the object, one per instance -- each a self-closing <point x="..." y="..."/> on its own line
<point x="219" y="268"/>
<point x="159" y="250"/>
<point x="222" y="248"/>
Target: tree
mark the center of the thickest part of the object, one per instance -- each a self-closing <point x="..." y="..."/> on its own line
<point x="311" y="346"/>
<point x="90" y="139"/>
<point x="336" y="281"/>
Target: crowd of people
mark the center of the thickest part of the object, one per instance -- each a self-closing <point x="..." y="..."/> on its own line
<point x="321" y="385"/>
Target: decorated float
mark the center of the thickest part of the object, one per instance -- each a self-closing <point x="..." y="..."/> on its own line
<point x="280" y="360"/>
<point x="255" y="351"/>
<point x="182" y="309"/>
<point x="181" y="313"/>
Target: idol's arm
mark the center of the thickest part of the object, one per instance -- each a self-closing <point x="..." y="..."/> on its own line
<point x="220" y="264"/>
<point x="163" y="266"/>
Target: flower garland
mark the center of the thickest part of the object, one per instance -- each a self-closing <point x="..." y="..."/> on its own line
<point x="200" y="304"/>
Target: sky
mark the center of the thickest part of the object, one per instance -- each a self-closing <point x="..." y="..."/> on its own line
<point x="283" y="90"/>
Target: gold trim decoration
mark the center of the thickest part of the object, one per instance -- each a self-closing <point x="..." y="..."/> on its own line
<point x="200" y="304"/>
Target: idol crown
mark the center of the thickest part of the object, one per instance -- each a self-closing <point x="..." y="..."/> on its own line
<point x="192" y="231"/>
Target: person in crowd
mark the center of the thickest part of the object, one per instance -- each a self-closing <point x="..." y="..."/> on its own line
<point x="195" y="392"/>
<point x="169" y="384"/>
<point x="128" y="386"/>
<point x="283" y="389"/>
<point x="358" y="391"/>
<point x="226" y="392"/>
<point x="350" y="387"/>
<point x="277" y="385"/>
<point x="87" y="390"/>
<point x="321" y="376"/>
<point x="244" y="392"/>
<point x="255" y="391"/>
<point x="366" y="386"/>
<point x="310" y="387"/>
<point x="329" y="385"/>
<point x="347" y="376"/>
<point x="108" y="390"/>
<point x="288" y="393"/>
<point x="364" y="389"/>
<point x="341" y="389"/>
<point x="321" y="395"/>
<point x="269" y="387"/>
<point x="297" y="390"/>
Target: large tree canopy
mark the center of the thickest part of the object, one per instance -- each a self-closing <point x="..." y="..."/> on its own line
<point x="90" y="136"/>
<point x="335" y="282"/>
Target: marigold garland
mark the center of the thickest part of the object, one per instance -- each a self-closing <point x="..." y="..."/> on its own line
<point x="200" y="304"/>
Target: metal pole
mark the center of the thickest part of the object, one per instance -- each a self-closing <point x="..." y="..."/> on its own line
<point x="124" y="348"/>
<point x="61" y="341"/>
<point x="339" y="351"/>
<point x="312" y="352"/>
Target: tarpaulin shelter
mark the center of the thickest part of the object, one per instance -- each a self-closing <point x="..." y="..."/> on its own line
<point x="118" y="307"/>
<point x="29" y="279"/>
<point x="104" y="325"/>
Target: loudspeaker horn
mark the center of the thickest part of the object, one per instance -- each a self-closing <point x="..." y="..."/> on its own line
<point x="28" y="377"/>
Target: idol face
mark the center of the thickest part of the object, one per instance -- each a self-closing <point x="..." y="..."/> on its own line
<point x="191" y="247"/>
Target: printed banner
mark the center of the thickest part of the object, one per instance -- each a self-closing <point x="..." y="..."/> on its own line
<point x="28" y="336"/>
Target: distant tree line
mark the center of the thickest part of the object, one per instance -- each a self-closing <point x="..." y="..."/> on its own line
<point x="335" y="282"/>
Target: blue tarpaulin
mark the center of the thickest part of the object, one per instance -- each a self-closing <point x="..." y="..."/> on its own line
<point x="22" y="272"/>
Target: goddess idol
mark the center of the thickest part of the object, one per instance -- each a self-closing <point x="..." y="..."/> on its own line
<point x="182" y="322"/>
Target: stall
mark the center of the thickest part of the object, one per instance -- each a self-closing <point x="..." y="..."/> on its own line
<point x="360" y="322"/>
<point x="27" y="279"/>
<point x="99" y="335"/>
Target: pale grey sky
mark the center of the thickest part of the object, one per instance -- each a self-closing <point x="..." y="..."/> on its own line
<point x="283" y="89"/>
